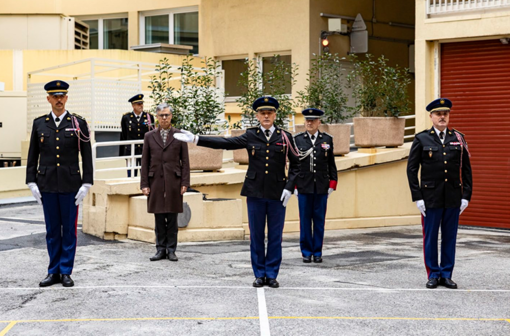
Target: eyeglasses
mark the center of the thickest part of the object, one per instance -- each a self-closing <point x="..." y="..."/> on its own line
<point x="164" y="116"/>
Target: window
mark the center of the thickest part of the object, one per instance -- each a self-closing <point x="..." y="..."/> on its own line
<point x="268" y="65"/>
<point x="107" y="33"/>
<point x="178" y="27"/>
<point x="233" y="70"/>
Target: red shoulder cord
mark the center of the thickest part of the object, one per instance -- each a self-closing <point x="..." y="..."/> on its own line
<point x="463" y="144"/>
<point x="77" y="131"/>
<point x="294" y="150"/>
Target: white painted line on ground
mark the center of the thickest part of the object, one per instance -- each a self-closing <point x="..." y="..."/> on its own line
<point x="361" y="289"/>
<point x="264" y="320"/>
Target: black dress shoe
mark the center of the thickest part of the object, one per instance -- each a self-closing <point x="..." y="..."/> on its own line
<point x="50" y="279"/>
<point x="432" y="283"/>
<point x="158" y="256"/>
<point x="307" y="260"/>
<point x="317" y="259"/>
<point x="448" y="283"/>
<point x="272" y="283"/>
<point x="172" y="256"/>
<point x="67" y="281"/>
<point x="259" y="282"/>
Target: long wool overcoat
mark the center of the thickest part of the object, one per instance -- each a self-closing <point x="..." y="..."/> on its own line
<point x="165" y="168"/>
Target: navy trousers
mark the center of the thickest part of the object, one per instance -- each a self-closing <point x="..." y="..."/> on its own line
<point x="448" y="220"/>
<point x="61" y="217"/>
<point x="259" y="210"/>
<point x="312" y="217"/>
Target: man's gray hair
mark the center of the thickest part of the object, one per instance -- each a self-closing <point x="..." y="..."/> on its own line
<point x="163" y="106"/>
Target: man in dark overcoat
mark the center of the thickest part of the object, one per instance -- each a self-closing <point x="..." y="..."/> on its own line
<point x="165" y="177"/>
<point x="316" y="179"/>
<point x="266" y="187"/>
<point x="53" y="176"/>
<point x="444" y="192"/>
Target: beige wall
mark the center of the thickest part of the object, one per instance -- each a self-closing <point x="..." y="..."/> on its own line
<point x="14" y="120"/>
<point x="431" y="32"/>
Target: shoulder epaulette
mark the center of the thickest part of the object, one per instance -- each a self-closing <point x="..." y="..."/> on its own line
<point x="126" y="113"/>
<point x="299" y="134"/>
<point x="424" y="131"/>
<point x="78" y="116"/>
<point x="44" y="115"/>
<point x="453" y="129"/>
<point x="328" y="134"/>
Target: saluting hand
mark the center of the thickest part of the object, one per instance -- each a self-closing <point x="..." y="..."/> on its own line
<point x="185" y="136"/>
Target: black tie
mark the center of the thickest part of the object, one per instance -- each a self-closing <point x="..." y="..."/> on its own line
<point x="441" y="135"/>
<point x="313" y="137"/>
<point x="57" y="119"/>
<point x="267" y="133"/>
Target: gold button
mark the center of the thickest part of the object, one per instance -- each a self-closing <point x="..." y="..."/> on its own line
<point x="138" y="130"/>
<point x="58" y="164"/>
<point x="314" y="171"/>
<point x="56" y="131"/>
<point x="267" y="145"/>
<point x="72" y="134"/>
<point x="266" y="172"/>
<point x="446" y="171"/>
<point x="58" y="147"/>
<point x="314" y="164"/>
<point x="267" y="164"/>
<point x="267" y="158"/>
<point x="444" y="146"/>
<point x="425" y="186"/>
<point x="446" y="180"/>
<point x="267" y="151"/>
<point x="445" y="162"/>
<point x="444" y="153"/>
<point x="58" y="155"/>
<point x="58" y="139"/>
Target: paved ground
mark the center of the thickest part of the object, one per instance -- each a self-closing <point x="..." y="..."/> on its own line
<point x="371" y="283"/>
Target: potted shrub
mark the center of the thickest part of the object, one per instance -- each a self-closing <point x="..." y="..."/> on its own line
<point x="196" y="103"/>
<point x="325" y="91"/>
<point x="256" y="84"/>
<point x="380" y="93"/>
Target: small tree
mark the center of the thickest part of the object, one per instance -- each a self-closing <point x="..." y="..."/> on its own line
<point x="379" y="89"/>
<point x="197" y="104"/>
<point x="271" y="83"/>
<point x="325" y="88"/>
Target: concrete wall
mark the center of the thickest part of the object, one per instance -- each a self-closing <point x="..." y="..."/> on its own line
<point x="458" y="27"/>
<point x="13" y="117"/>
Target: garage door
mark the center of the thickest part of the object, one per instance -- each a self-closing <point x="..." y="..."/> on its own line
<point x="476" y="77"/>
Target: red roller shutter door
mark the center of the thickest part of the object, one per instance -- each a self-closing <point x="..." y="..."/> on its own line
<point x="476" y="77"/>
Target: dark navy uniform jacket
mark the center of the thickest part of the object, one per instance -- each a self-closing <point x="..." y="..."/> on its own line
<point x="53" y="155"/>
<point x="317" y="172"/>
<point x="265" y="177"/>
<point x="134" y="130"/>
<point x="442" y="184"/>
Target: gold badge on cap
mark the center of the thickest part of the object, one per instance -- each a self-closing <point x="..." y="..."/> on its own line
<point x="139" y="96"/>
<point x="58" y="83"/>
<point x="442" y="101"/>
<point x="266" y="100"/>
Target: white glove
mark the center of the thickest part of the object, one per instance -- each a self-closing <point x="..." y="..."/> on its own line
<point x="464" y="204"/>
<point x="186" y="136"/>
<point x="421" y="206"/>
<point x="84" y="189"/>
<point x="35" y="191"/>
<point x="286" y="195"/>
<point x="296" y="192"/>
<point x="330" y="190"/>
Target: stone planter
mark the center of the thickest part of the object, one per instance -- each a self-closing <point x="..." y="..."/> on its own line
<point x="240" y="155"/>
<point x="379" y="131"/>
<point x="203" y="158"/>
<point x="341" y="136"/>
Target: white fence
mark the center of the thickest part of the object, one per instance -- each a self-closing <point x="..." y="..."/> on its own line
<point x="455" y="6"/>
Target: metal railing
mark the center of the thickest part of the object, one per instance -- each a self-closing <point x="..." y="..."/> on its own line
<point x="455" y="6"/>
<point x="131" y="159"/>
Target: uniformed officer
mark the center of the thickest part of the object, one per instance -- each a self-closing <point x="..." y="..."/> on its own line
<point x="266" y="187"/>
<point x="53" y="176"/>
<point x="134" y="125"/>
<point x="316" y="179"/>
<point x="444" y="191"/>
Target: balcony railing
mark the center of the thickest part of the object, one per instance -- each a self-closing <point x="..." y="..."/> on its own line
<point x="456" y="6"/>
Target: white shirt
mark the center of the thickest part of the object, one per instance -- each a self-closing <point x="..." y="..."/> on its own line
<point x="138" y="116"/>
<point x="444" y="134"/>
<point x="315" y="136"/>
<point x="271" y="131"/>
<point x="61" y="117"/>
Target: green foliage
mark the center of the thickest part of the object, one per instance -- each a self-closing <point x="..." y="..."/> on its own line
<point x="379" y="89"/>
<point x="197" y="103"/>
<point x="325" y="88"/>
<point x="273" y="83"/>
